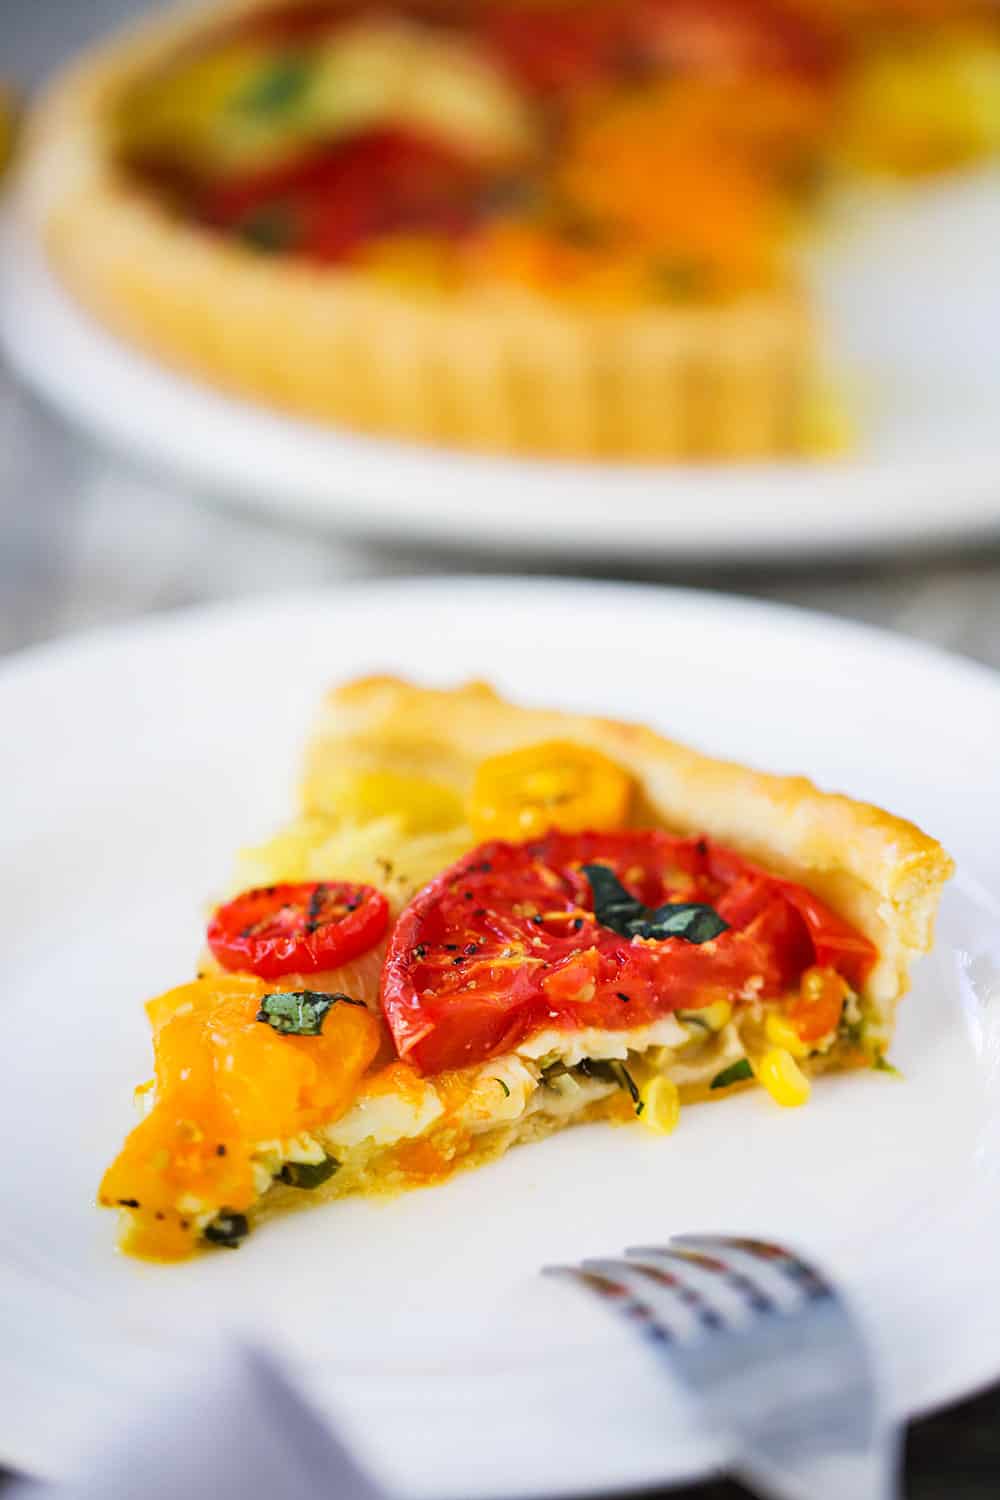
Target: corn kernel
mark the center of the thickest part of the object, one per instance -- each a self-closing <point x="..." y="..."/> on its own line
<point x="661" y="1105"/>
<point x="782" y="1033"/>
<point x="781" y="1075"/>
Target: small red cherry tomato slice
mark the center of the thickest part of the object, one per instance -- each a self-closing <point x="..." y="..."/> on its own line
<point x="506" y="944"/>
<point x="297" y="929"/>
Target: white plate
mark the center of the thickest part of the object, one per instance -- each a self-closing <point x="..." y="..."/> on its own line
<point x="919" y="330"/>
<point x="133" y="764"/>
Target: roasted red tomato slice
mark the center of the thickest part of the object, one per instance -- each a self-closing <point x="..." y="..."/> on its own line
<point x="506" y="943"/>
<point x="734" y="37"/>
<point x="326" y="202"/>
<point x="549" y="48"/>
<point x="297" y="929"/>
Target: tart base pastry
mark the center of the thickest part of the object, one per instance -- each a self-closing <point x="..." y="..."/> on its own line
<point x="388" y="998"/>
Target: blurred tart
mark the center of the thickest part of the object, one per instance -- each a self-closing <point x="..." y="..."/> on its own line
<point x="553" y="226"/>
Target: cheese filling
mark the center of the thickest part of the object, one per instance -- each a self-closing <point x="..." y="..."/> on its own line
<point x="557" y="1075"/>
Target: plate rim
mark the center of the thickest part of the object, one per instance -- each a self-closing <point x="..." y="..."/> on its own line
<point x="79" y="652"/>
<point x="393" y="483"/>
<point x="50" y="651"/>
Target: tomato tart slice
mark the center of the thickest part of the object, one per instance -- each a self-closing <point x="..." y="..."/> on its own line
<point x="489" y="922"/>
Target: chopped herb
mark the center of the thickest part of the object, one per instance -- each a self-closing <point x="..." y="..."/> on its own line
<point x="419" y="952"/>
<point x="308" y="1174"/>
<point x="506" y="1090"/>
<point x="471" y="948"/>
<point x="220" y="1150"/>
<point x="612" y="1072"/>
<point x="300" y="1012"/>
<point x="629" y="1082"/>
<point x="269" y="228"/>
<point x="227" y="1229"/>
<point x="551" y="1067"/>
<point x="882" y="1064"/>
<point x="538" y="919"/>
<point x="577" y="923"/>
<point x="275" y="88"/>
<point x="625" y="999"/>
<point x="594" y="1067"/>
<point x="738" y="1072"/>
<point x="451" y="947"/>
<point x="624" y="914"/>
<point x="128" y="1202"/>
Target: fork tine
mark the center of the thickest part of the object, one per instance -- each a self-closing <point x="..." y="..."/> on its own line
<point x="665" y="1293"/>
<point x="618" y="1297"/>
<point x="745" y="1256"/>
<point x="750" y="1294"/>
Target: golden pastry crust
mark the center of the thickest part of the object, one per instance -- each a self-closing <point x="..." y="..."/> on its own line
<point x="880" y="872"/>
<point x="483" y="368"/>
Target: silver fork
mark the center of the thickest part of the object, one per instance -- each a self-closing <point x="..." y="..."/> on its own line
<point x="769" y="1349"/>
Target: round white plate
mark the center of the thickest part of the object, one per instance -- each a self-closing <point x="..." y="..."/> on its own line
<point x="133" y="764"/>
<point x="907" y="285"/>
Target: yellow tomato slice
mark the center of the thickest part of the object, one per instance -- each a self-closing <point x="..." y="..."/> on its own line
<point x="225" y="1083"/>
<point x="551" y="785"/>
<point x="418" y="804"/>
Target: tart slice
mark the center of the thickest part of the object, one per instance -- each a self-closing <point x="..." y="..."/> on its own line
<point x="490" y="922"/>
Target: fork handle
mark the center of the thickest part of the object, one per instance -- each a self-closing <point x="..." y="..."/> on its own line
<point x="869" y="1475"/>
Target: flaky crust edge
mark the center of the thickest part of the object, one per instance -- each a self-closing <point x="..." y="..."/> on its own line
<point x="493" y="370"/>
<point x="880" y="872"/>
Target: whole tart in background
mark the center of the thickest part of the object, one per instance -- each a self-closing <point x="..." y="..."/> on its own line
<point x="563" y="227"/>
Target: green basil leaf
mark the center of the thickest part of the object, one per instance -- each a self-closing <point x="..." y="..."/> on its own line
<point x="615" y="908"/>
<point x="691" y="920"/>
<point x="270" y="228"/>
<point x="300" y="1012"/>
<point x="275" y="89"/>
<point x="883" y="1065"/>
<point x="309" y="1174"/>
<point x="737" y="1072"/>
<point x="227" y="1229"/>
